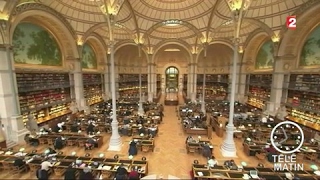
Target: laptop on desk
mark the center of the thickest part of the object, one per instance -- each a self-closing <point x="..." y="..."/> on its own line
<point x="254" y="174"/>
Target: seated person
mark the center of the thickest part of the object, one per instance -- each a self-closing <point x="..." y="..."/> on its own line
<point x="59" y="143"/>
<point x="18" y="162"/>
<point x="133" y="150"/>
<point x="189" y="139"/>
<point x="50" y="151"/>
<point x="74" y="128"/>
<point x="206" y="151"/>
<point x="270" y="151"/>
<point x="133" y="175"/>
<point x="153" y="130"/>
<point x="57" y="128"/>
<point x="70" y="173"/>
<point x="121" y="173"/>
<point x="126" y="121"/>
<point x="231" y="165"/>
<point x="91" y="143"/>
<point x="90" y="128"/>
<point x="46" y="165"/>
<point x="125" y="130"/>
<point x="86" y="174"/>
<point x="142" y="130"/>
<point x="212" y="162"/>
<point x="42" y="174"/>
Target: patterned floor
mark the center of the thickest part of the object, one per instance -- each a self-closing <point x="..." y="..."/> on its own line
<point x="169" y="157"/>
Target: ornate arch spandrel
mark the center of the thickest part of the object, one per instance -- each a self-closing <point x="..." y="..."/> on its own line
<point x="251" y="50"/>
<point x="49" y="19"/>
<point x="99" y="50"/>
<point x="293" y="40"/>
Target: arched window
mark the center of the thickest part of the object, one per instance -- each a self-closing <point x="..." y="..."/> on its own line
<point x="172" y="70"/>
<point x="172" y="74"/>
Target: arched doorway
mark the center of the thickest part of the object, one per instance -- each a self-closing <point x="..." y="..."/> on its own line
<point x="172" y="79"/>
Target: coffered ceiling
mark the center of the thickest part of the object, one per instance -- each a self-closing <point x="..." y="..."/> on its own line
<point x="208" y="18"/>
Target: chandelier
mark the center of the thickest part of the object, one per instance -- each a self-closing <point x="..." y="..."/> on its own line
<point x="236" y="5"/>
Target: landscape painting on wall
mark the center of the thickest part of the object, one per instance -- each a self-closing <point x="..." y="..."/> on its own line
<point x="33" y="44"/>
<point x="89" y="59"/>
<point x="310" y="53"/>
<point x="265" y="59"/>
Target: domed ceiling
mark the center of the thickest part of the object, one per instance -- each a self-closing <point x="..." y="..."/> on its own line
<point x="185" y="20"/>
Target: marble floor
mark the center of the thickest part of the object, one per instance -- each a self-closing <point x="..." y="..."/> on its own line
<point x="170" y="156"/>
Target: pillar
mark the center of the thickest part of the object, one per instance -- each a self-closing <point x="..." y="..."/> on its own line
<point x="116" y="76"/>
<point x="150" y="95"/>
<point x="193" y="84"/>
<point x="228" y="148"/>
<point x="189" y="82"/>
<point x="11" y="120"/>
<point x="242" y="83"/>
<point x="154" y="80"/>
<point x="115" y="139"/>
<point x="78" y="84"/>
<point x="106" y="75"/>
<point x="277" y="86"/>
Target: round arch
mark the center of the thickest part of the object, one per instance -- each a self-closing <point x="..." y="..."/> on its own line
<point x="293" y="41"/>
<point x="225" y="42"/>
<point x="171" y="69"/>
<point x="118" y="55"/>
<point x="64" y="36"/>
<point x="99" y="48"/>
<point x="178" y="42"/>
<point x="252" y="47"/>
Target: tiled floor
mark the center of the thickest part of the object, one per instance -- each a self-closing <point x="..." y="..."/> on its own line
<point x="169" y="157"/>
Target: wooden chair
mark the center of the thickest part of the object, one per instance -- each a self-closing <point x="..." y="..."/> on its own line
<point x="42" y="141"/>
<point x="7" y="166"/>
<point x="106" y="174"/>
<point x="71" y="142"/>
<point x="59" y="172"/>
<point x="33" y="169"/>
<point x="311" y="156"/>
<point x="81" y="144"/>
<point x="261" y="155"/>
<point x="19" y="170"/>
<point x="50" y="141"/>
<point x="145" y="148"/>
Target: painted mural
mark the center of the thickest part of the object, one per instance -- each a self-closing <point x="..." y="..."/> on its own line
<point x="89" y="59"/>
<point x="33" y="44"/>
<point x="265" y="59"/>
<point x="310" y="53"/>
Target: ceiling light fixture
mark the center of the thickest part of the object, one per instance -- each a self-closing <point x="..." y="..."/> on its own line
<point x="236" y="5"/>
<point x="172" y="22"/>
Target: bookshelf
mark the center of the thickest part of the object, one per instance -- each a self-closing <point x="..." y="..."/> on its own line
<point x="216" y="86"/>
<point x="303" y="101"/>
<point x="158" y="83"/>
<point x="259" y="89"/>
<point x="45" y="95"/>
<point x="129" y="85"/>
<point x="92" y="88"/>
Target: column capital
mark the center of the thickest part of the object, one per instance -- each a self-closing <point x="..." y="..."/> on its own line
<point x="6" y="46"/>
<point x="236" y="41"/>
<point x="192" y="64"/>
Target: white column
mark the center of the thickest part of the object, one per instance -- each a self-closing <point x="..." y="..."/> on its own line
<point x="242" y="83"/>
<point x="228" y="148"/>
<point x="203" y="104"/>
<point x="115" y="139"/>
<point x="193" y="82"/>
<point x="154" y="80"/>
<point x="78" y="84"/>
<point x="116" y="76"/>
<point x="189" y="82"/>
<point x="150" y="89"/>
<point x="11" y="121"/>
<point x="106" y="82"/>
<point x="277" y="86"/>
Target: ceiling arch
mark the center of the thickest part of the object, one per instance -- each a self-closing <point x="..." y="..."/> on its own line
<point x="172" y="53"/>
<point x="128" y="56"/>
<point x="217" y="55"/>
<point x="178" y="42"/>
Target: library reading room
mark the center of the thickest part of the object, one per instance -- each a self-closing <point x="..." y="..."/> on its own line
<point x="160" y="89"/>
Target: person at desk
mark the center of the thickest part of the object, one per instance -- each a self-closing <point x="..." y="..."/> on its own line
<point x="206" y="151"/>
<point x="90" y="128"/>
<point x="212" y="162"/>
<point x="42" y="174"/>
<point x="59" y="143"/>
<point x="57" y="128"/>
<point x="133" y="175"/>
<point x="18" y="162"/>
<point x="86" y="174"/>
<point x="121" y="173"/>
<point x="91" y="143"/>
<point x="70" y="173"/>
<point x="74" y="128"/>
<point x="142" y="130"/>
<point x="133" y="150"/>
<point x="153" y="131"/>
<point x="231" y="165"/>
<point x="45" y="170"/>
<point x="50" y="151"/>
<point x="270" y="151"/>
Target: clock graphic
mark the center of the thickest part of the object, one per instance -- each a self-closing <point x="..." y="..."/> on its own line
<point x="284" y="132"/>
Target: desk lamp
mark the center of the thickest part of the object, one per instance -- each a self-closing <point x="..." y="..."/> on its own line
<point x="73" y="153"/>
<point x="79" y="131"/>
<point x="21" y="149"/>
<point x="101" y="155"/>
<point x="244" y="164"/>
<point x="199" y="138"/>
<point x="130" y="157"/>
<point x="314" y="167"/>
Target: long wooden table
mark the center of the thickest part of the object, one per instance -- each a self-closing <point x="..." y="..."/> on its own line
<point x="202" y="172"/>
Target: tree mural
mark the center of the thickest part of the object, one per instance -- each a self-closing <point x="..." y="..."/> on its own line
<point x="310" y="53"/>
<point x="18" y="46"/>
<point x="265" y="59"/>
<point x="89" y="60"/>
<point x="35" y="45"/>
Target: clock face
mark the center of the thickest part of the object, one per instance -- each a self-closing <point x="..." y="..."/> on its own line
<point x="287" y="137"/>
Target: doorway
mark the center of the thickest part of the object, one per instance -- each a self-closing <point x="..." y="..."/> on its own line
<point x="172" y="79"/>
